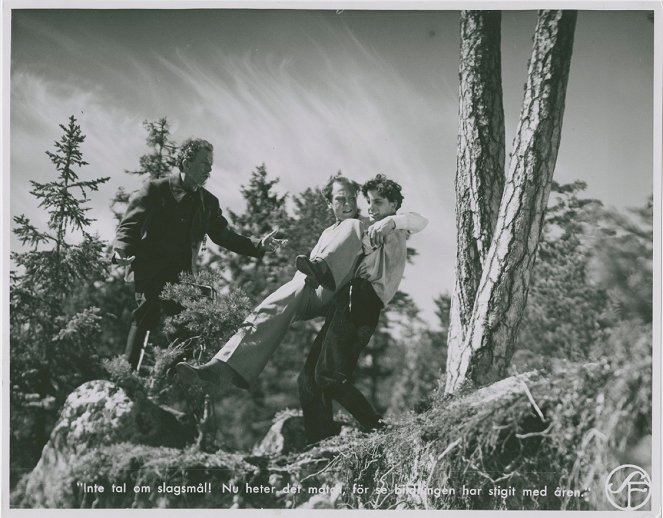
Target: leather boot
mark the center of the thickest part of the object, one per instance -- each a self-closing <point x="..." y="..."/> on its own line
<point x="317" y="270"/>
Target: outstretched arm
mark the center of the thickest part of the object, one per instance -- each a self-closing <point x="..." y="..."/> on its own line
<point x="220" y="232"/>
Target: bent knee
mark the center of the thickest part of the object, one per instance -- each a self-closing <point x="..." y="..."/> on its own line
<point x="329" y="381"/>
<point x="305" y="381"/>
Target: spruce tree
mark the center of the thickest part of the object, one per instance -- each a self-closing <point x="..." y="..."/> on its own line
<point x="162" y="158"/>
<point x="52" y="343"/>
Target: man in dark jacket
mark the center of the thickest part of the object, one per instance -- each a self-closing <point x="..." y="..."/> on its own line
<point x="162" y="231"/>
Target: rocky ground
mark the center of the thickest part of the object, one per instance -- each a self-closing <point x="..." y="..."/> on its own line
<point x="105" y="445"/>
<point x="558" y="430"/>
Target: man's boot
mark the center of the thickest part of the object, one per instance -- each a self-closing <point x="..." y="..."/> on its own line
<point x="209" y="373"/>
<point x="317" y="270"/>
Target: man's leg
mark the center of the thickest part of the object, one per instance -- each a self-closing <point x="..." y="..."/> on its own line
<point x="316" y="406"/>
<point x="348" y="333"/>
<point x="145" y="318"/>
<point x="250" y="348"/>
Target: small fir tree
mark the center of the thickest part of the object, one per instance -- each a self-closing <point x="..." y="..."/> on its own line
<point x="162" y="158"/>
<point x="52" y="342"/>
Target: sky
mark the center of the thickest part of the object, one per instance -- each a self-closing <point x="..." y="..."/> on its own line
<point x="309" y="93"/>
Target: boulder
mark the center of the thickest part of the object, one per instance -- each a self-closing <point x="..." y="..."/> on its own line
<point x="286" y="435"/>
<point x="97" y="413"/>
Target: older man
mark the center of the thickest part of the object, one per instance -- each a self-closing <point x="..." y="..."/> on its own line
<point x="248" y="350"/>
<point x="161" y="233"/>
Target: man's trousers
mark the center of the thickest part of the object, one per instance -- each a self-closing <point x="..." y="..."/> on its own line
<point x="251" y="347"/>
<point x="330" y="364"/>
<point x="145" y="318"/>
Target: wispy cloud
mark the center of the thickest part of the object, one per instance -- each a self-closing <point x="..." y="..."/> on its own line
<point x="309" y="94"/>
<point x="113" y="140"/>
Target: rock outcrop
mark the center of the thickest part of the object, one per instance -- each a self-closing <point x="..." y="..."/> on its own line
<point x="286" y="435"/>
<point x="108" y="450"/>
<point x="96" y="414"/>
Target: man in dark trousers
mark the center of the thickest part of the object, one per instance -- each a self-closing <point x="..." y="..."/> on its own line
<point x="162" y="232"/>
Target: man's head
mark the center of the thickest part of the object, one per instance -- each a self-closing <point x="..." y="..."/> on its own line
<point x="341" y="195"/>
<point x="383" y="195"/>
<point x="195" y="161"/>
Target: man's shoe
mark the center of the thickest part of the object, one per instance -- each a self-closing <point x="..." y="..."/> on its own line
<point x="317" y="270"/>
<point x="210" y="373"/>
<point x="334" y="430"/>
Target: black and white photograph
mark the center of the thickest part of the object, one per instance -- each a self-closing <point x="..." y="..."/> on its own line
<point x="332" y="256"/>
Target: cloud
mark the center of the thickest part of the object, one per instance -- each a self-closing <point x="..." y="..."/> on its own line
<point x="113" y="141"/>
<point x="353" y="111"/>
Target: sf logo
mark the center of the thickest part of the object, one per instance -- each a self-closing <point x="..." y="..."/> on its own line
<point x="628" y="487"/>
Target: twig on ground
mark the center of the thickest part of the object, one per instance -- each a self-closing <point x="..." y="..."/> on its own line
<point x="543" y="433"/>
<point x="531" y="400"/>
<point x="449" y="448"/>
<point x="329" y="465"/>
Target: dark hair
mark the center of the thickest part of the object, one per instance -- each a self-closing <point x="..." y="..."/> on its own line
<point x="385" y="187"/>
<point x="190" y="148"/>
<point x="338" y="178"/>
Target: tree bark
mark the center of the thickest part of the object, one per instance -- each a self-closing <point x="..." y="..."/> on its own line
<point x="486" y="351"/>
<point x="479" y="162"/>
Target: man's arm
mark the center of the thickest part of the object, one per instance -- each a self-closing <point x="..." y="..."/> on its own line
<point x="410" y="221"/>
<point x="220" y="232"/>
<point x="128" y="232"/>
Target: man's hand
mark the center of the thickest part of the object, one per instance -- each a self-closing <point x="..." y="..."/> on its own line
<point x="379" y="230"/>
<point x="121" y="259"/>
<point x="269" y="242"/>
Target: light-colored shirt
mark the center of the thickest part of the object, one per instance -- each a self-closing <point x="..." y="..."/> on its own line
<point x="384" y="266"/>
<point x="339" y="245"/>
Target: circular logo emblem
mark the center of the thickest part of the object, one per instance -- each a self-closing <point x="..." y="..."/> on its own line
<point x="628" y="487"/>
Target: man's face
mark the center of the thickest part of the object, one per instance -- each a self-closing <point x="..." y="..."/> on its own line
<point x="344" y="201"/>
<point x="379" y="207"/>
<point x="197" y="170"/>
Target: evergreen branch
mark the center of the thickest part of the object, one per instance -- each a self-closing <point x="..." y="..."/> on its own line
<point x="28" y="233"/>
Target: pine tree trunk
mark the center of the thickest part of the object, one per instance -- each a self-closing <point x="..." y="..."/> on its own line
<point x="486" y="351"/>
<point x="479" y="162"/>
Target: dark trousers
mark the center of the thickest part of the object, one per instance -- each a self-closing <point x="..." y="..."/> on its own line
<point x="146" y="317"/>
<point x="329" y="366"/>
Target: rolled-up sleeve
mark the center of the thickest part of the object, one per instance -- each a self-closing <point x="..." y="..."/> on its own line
<point x="410" y="221"/>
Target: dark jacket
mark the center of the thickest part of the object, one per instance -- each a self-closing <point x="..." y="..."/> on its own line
<point x="146" y="229"/>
